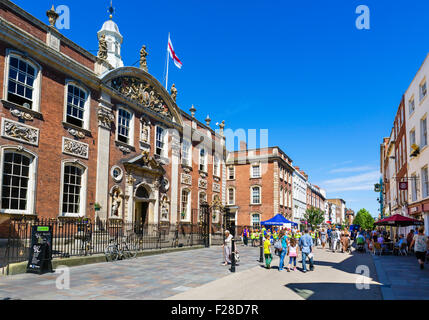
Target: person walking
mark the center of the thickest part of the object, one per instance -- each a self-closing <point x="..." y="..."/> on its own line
<point x="306" y="247"/>
<point x="283" y="252"/>
<point x="335" y="237"/>
<point x="227" y="248"/>
<point x="420" y="243"/>
<point x="323" y="235"/>
<point x="245" y="236"/>
<point x="292" y="252"/>
<point x="267" y="252"/>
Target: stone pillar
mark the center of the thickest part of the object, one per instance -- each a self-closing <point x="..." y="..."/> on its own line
<point x="157" y="203"/>
<point x="105" y="119"/>
<point x="174" y="186"/>
<point x="130" y="195"/>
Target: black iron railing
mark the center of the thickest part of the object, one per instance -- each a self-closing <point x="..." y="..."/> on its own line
<point x="83" y="237"/>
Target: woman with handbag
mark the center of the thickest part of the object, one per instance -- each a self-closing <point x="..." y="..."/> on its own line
<point x="227" y="248"/>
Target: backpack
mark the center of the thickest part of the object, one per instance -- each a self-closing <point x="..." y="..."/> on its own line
<point x="278" y="245"/>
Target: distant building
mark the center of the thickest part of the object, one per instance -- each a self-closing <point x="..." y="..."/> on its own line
<point x="259" y="184"/>
<point x="299" y="194"/>
<point x="340" y="211"/>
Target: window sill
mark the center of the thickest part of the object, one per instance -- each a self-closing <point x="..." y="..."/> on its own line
<point x="67" y="126"/>
<point x="186" y="166"/>
<point x="162" y="159"/>
<point x="256" y="204"/>
<point x="260" y="177"/>
<point x="18" y="213"/>
<point x="10" y="105"/>
<point x="125" y="145"/>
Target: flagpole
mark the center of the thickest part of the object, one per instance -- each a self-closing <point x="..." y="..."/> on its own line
<point x="168" y="61"/>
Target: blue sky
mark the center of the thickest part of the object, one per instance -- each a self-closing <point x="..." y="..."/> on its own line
<point x="326" y="91"/>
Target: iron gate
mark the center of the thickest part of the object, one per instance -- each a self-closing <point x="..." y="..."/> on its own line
<point x="205" y="223"/>
<point x="229" y="221"/>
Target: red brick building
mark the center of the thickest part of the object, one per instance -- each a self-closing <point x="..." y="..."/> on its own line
<point x="258" y="184"/>
<point x="81" y="131"/>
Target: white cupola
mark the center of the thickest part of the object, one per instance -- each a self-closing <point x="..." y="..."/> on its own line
<point x="114" y="41"/>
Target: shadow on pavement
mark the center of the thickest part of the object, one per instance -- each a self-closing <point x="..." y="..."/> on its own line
<point x="334" y="291"/>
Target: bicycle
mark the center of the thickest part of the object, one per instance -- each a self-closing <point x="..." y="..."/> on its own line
<point x="114" y="252"/>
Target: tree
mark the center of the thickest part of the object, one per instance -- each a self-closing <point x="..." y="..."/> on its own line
<point x="364" y="219"/>
<point x="314" y="217"/>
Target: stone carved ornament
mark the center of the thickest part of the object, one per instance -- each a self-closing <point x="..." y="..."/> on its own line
<point x="142" y="93"/>
<point x="102" y="51"/>
<point x="116" y="202"/>
<point x="145" y="133"/>
<point x="76" y="148"/>
<point x="20" y="132"/>
<point x="105" y="117"/>
<point x="76" y="133"/>
<point x="143" y="59"/>
<point x="173" y="92"/>
<point x="21" y="114"/>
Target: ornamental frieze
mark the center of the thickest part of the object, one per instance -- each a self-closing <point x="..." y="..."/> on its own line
<point x="202" y="183"/>
<point x="186" y="179"/>
<point x="20" y="132"/>
<point x="216" y="187"/>
<point x="141" y="92"/>
<point x="75" y="148"/>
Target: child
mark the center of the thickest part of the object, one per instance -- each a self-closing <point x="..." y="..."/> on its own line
<point x="292" y="252"/>
<point x="267" y="251"/>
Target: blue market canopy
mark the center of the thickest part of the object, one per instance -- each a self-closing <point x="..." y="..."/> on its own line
<point x="278" y="220"/>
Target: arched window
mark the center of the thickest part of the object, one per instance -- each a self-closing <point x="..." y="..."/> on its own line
<point x="231" y="196"/>
<point x="23" y="83"/>
<point x="202" y="197"/>
<point x="73" y="189"/>
<point x="142" y="193"/>
<point x="255" y="220"/>
<point x="185" y="210"/>
<point x="18" y="182"/>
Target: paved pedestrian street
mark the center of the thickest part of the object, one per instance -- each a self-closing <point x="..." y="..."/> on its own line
<point x="199" y="274"/>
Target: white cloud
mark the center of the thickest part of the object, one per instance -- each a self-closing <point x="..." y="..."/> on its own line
<point x="360" y="182"/>
<point x="352" y="169"/>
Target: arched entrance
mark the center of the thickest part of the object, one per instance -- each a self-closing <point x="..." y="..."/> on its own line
<point x="141" y="212"/>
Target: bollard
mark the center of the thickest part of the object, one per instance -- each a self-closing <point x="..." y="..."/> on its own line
<point x="232" y="255"/>
<point x="261" y="250"/>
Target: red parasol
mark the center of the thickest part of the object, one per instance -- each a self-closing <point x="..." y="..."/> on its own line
<point x="399" y="220"/>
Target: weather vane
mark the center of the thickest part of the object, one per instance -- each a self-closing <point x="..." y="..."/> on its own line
<point x="111" y="10"/>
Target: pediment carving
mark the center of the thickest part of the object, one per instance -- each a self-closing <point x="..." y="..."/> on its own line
<point x="142" y="93"/>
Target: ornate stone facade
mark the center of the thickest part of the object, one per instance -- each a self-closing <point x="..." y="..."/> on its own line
<point x="142" y="93"/>
<point x="20" y="132"/>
